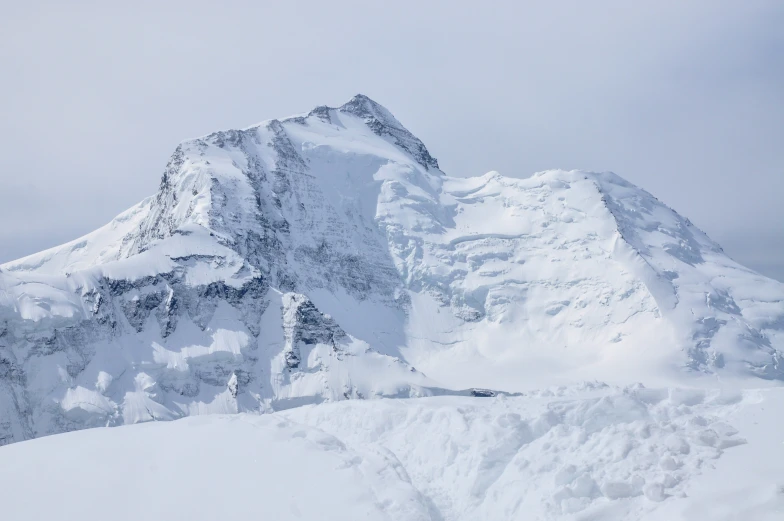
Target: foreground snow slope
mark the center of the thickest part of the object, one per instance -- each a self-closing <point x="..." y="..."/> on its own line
<point x="579" y="453"/>
<point x="325" y="257"/>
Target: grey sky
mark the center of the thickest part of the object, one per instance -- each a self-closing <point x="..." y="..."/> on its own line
<point x="685" y="99"/>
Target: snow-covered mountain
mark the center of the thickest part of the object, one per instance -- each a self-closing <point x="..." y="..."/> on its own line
<point x="326" y="256"/>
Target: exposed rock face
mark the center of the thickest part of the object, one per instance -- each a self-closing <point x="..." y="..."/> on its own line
<point x="314" y="258"/>
<point x="384" y="124"/>
<point x="304" y="324"/>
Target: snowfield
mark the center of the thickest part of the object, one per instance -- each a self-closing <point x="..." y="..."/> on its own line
<point x="301" y="273"/>
<point x="589" y="452"/>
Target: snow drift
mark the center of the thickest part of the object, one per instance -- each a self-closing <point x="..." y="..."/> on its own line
<point x="576" y="453"/>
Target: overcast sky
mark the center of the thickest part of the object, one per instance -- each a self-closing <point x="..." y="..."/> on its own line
<point x="684" y="98"/>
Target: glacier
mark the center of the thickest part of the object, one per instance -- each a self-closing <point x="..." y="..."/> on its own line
<point x="326" y="257"/>
<point x="558" y="347"/>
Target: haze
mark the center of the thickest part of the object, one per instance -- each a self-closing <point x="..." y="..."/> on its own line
<point x="685" y="99"/>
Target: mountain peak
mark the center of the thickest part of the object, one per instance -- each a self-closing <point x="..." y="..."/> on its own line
<point x="323" y="257"/>
<point x="362" y="106"/>
<point x="380" y="121"/>
<point x="384" y="124"/>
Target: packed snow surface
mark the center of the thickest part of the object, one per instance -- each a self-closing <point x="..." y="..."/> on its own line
<point x="589" y="452"/>
<point x="325" y="258"/>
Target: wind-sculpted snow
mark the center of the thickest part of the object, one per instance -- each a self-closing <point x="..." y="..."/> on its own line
<point x="601" y="452"/>
<point x="325" y="257"/>
<point x="582" y="452"/>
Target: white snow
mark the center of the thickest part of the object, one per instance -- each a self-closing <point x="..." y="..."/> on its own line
<point x="576" y="453"/>
<point x="326" y="257"/>
<point x="218" y="467"/>
<point x="513" y="283"/>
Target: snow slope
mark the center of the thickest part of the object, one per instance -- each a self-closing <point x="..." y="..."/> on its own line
<point x="589" y="452"/>
<point x="326" y="257"/>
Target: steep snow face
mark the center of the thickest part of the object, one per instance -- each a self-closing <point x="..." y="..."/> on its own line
<point x="323" y="256"/>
